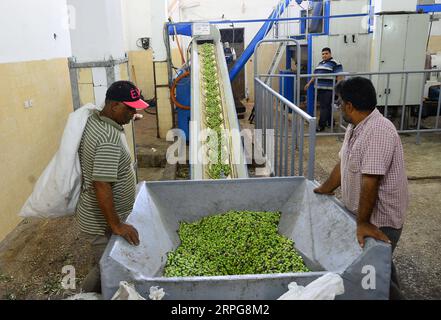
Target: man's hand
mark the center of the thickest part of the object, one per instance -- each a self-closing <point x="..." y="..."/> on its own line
<point x="128" y="232"/>
<point x="367" y="229"/>
<point x="323" y="190"/>
<point x="307" y="86"/>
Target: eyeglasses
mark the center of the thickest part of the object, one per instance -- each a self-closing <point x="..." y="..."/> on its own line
<point x="338" y="103"/>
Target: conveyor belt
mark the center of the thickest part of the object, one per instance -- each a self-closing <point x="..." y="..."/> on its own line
<point x="221" y="155"/>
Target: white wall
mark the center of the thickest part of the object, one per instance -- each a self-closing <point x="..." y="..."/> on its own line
<point x="158" y="9"/>
<point x="136" y="22"/>
<point x="28" y="27"/>
<point x="436" y="28"/>
<point x="209" y="10"/>
<point x="98" y="34"/>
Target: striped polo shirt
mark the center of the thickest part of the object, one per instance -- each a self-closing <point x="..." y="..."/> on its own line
<point x="103" y="157"/>
<point x="327" y="67"/>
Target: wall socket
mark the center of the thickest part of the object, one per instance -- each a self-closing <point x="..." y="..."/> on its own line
<point x="28" y="104"/>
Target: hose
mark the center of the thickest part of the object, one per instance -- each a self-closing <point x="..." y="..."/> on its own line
<point x="173" y="91"/>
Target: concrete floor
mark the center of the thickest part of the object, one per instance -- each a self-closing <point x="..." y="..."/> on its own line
<point x="30" y="265"/>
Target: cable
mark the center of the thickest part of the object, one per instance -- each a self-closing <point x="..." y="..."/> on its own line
<point x="430" y="31"/>
<point x="179" y="47"/>
<point x="166" y="39"/>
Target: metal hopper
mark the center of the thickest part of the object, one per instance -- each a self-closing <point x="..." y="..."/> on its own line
<point x="323" y="232"/>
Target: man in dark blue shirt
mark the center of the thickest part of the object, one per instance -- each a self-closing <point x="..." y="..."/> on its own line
<point x="324" y="86"/>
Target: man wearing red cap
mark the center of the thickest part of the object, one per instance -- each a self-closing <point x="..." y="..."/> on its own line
<point x="108" y="178"/>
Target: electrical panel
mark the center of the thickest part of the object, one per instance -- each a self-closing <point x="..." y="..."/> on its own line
<point x="399" y="43"/>
<point x="352" y="25"/>
<point x="351" y="50"/>
<point x="382" y="6"/>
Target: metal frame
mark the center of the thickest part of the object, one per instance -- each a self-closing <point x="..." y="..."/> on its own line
<point x="272" y="116"/>
<point x="299" y="60"/>
<point x="404" y="106"/>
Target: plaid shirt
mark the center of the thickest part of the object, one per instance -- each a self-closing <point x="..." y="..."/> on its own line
<point x="374" y="147"/>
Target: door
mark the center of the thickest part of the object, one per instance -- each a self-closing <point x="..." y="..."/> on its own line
<point x="415" y="58"/>
<point x="392" y="53"/>
<point x="235" y="37"/>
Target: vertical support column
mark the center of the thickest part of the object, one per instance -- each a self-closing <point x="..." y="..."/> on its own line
<point x="165" y="110"/>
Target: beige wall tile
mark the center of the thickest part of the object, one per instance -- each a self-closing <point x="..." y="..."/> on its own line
<point x="87" y="94"/>
<point x="141" y="71"/>
<point x="124" y="74"/>
<point x="29" y="137"/>
<point x="164" y="112"/>
<point x="85" y="75"/>
<point x="434" y="44"/>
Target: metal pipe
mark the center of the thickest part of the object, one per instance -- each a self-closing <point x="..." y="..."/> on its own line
<point x="292" y="106"/>
<point x="332" y="104"/>
<point x="340" y="16"/>
<point x="286" y="142"/>
<point x="438" y="111"/>
<point x="255" y="107"/>
<point x="264" y="115"/>
<point x="404" y="101"/>
<point x="282" y="123"/>
<point x="302" y="127"/>
<point x="311" y="157"/>
<point x="276" y="142"/>
<point x="315" y="97"/>
<point x="420" y="113"/>
<point x="293" y="143"/>
<point x="350" y="74"/>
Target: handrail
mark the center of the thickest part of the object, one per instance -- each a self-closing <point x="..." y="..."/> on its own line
<point x="291" y="105"/>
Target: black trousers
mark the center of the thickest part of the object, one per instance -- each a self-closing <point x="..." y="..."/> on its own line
<point x="394" y="291"/>
<point x="324" y="97"/>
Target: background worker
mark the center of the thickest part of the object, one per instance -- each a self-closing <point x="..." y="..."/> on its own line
<point x="328" y="65"/>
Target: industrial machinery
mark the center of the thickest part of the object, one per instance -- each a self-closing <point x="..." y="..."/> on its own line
<point x="323" y="231"/>
<point x="228" y="141"/>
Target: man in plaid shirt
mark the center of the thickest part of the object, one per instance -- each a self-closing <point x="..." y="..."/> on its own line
<point x="371" y="169"/>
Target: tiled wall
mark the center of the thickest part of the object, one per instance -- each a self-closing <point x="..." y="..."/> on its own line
<point x="29" y="137"/>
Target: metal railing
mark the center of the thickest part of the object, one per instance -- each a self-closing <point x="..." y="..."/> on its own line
<point x="283" y="127"/>
<point x="402" y="99"/>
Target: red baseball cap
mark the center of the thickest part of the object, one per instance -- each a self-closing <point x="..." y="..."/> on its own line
<point x="127" y="93"/>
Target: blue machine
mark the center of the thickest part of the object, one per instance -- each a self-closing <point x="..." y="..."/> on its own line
<point x="286" y="85"/>
<point x="183" y="96"/>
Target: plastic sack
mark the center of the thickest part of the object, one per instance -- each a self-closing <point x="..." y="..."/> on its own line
<point x="86" y="296"/>
<point x="57" y="190"/>
<point x="156" y="293"/>
<point x="323" y="288"/>
<point x="127" y="291"/>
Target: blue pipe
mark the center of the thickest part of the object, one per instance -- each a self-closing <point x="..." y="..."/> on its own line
<point x="327" y="13"/>
<point x="275" y="19"/>
<point x="310" y="92"/>
<point x="184" y="29"/>
<point x="427" y="8"/>
<point x="243" y="59"/>
<point x="370" y="17"/>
